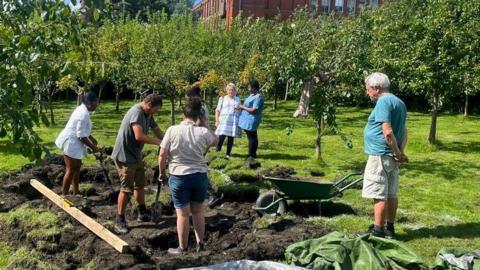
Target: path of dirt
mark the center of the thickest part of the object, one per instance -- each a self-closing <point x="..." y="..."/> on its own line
<point x="230" y="232"/>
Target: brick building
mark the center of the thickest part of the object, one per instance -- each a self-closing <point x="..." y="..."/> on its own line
<point x="270" y="8"/>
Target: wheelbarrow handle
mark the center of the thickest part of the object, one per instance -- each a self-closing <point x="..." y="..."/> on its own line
<point x="354" y="182"/>
<point x="345" y="178"/>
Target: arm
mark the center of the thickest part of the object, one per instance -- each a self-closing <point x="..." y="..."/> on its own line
<point x="392" y="142"/>
<point x="162" y="164"/>
<point x="89" y="143"/>
<point x="250" y="110"/>
<point x="404" y="141"/>
<point x="141" y="137"/>
<point x="217" y="118"/>
<point x="93" y="140"/>
<point x="158" y="132"/>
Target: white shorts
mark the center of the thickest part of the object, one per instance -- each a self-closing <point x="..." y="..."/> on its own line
<point x="381" y="177"/>
<point x="74" y="148"/>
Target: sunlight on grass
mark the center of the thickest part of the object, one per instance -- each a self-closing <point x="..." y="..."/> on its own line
<point x="439" y="202"/>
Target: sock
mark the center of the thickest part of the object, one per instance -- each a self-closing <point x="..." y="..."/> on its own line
<point x="142" y="208"/>
<point x="389" y="225"/>
<point x="378" y="228"/>
<point x="120" y="218"/>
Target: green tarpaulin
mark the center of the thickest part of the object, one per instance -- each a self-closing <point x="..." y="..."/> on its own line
<point x="336" y="251"/>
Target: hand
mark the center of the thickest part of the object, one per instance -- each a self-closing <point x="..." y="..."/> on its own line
<point x="401" y="158"/>
<point x="239" y="106"/>
<point x="163" y="178"/>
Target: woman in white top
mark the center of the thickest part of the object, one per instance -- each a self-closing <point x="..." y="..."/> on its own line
<point x="226" y="119"/>
<point x="185" y="146"/>
<point x="75" y="138"/>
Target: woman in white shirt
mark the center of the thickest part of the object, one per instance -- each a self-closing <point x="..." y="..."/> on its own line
<point x="226" y="119"/>
<point x="74" y="139"/>
<point x="185" y="146"/>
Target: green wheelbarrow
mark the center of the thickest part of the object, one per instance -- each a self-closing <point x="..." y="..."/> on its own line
<point x="274" y="202"/>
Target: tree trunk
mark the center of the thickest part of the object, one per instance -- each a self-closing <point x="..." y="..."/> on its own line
<point x="286" y="92"/>
<point x="210" y="103"/>
<point x="117" y="101"/>
<point x="172" y="110"/>
<point x="100" y="91"/>
<point x="275" y="98"/>
<point x="467" y="100"/>
<point x="318" y="140"/>
<point x="52" y="115"/>
<point x="432" y="137"/>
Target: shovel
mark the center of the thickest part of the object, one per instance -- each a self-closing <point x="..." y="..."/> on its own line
<point x="101" y="159"/>
<point x="157" y="206"/>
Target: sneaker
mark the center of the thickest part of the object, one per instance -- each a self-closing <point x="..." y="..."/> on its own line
<point x="227" y="157"/>
<point x="176" y="251"/>
<point x="374" y="232"/>
<point x="215" y="200"/>
<point x="200" y="247"/>
<point x="389" y="231"/>
<point x="144" y="216"/>
<point x="121" y="226"/>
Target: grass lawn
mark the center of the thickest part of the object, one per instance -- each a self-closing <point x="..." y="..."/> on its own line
<point x="439" y="202"/>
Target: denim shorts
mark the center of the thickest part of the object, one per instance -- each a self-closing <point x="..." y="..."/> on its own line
<point x="188" y="188"/>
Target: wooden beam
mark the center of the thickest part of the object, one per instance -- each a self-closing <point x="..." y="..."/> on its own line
<point x="87" y="221"/>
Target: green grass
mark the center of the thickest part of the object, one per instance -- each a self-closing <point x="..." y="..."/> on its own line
<point x="439" y="202"/>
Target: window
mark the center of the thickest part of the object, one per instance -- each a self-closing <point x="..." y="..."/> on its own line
<point x="339" y="5"/>
<point x="351" y="6"/>
<point x="313" y="6"/>
<point x="325" y="6"/>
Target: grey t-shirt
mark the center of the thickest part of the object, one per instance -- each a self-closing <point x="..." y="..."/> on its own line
<point x="127" y="149"/>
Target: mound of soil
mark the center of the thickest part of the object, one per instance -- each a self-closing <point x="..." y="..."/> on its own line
<point x="230" y="230"/>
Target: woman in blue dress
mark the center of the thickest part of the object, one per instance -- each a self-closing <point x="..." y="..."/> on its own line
<point x="250" y="117"/>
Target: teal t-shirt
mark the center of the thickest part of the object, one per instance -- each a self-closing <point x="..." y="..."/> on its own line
<point x="389" y="109"/>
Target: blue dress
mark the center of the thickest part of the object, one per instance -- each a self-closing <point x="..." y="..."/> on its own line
<point x="251" y="121"/>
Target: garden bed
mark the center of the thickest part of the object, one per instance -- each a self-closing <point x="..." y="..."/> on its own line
<point x="42" y="235"/>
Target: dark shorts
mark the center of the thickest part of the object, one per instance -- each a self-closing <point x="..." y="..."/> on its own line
<point x="188" y="188"/>
<point x="132" y="176"/>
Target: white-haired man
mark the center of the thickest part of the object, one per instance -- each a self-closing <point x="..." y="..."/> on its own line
<point x="385" y="137"/>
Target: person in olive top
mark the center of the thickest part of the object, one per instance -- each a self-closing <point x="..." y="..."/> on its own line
<point x="385" y="138"/>
<point x="127" y="154"/>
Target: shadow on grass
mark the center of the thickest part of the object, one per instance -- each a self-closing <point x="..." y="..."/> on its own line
<point x="462" y="147"/>
<point x="283" y="156"/>
<point x="464" y="231"/>
<point x="6" y="147"/>
<point x="443" y="169"/>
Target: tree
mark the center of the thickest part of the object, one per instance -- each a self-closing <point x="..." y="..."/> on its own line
<point x="428" y="50"/>
<point x="30" y="32"/>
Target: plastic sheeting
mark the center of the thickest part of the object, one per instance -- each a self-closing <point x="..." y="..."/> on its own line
<point x="247" y="265"/>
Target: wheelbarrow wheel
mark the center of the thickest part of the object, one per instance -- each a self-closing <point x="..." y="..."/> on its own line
<point x="266" y="199"/>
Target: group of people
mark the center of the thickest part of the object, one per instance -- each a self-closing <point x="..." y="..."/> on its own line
<point x="183" y="145"/>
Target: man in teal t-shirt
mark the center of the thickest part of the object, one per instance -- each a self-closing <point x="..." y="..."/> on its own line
<point x="385" y="137"/>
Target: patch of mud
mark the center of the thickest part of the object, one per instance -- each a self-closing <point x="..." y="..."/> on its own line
<point x="278" y="171"/>
<point x="230" y="230"/>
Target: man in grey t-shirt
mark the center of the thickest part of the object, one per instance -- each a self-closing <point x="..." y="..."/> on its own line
<point x="127" y="154"/>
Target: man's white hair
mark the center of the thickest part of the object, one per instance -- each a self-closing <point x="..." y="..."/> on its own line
<point x="378" y="80"/>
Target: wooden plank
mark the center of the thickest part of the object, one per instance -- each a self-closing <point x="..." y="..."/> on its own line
<point x="87" y="221"/>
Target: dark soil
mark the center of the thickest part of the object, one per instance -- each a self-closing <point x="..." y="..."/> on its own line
<point x="230" y="233"/>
